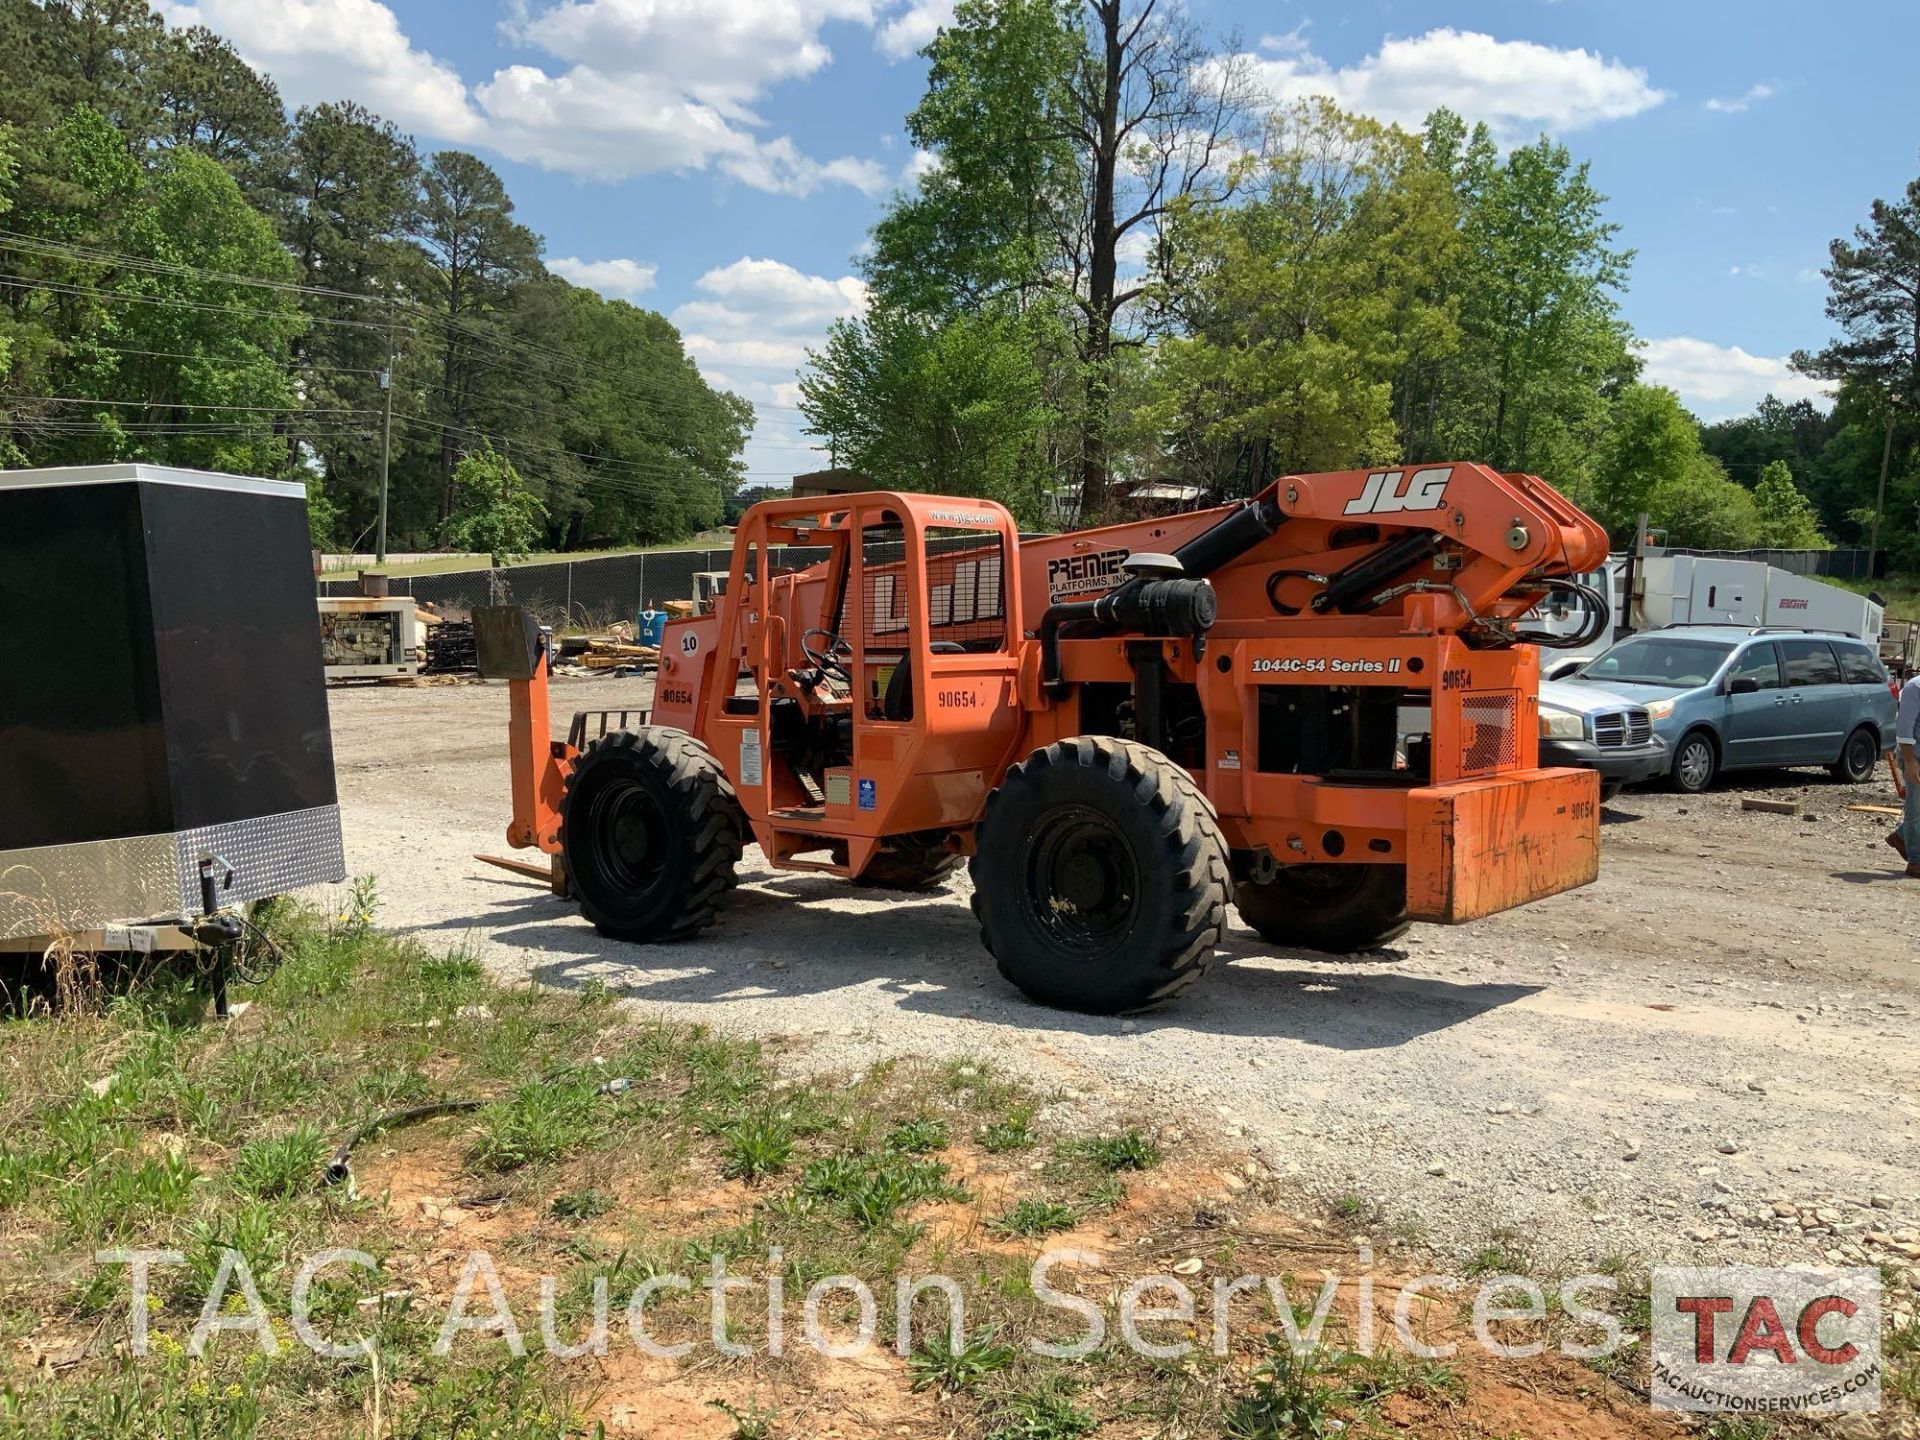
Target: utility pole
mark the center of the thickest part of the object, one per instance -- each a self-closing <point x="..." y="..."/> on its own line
<point x="1880" y="497"/>
<point x="386" y="440"/>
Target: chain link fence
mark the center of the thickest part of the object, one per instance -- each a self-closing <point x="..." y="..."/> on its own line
<point x="1837" y="564"/>
<point x="585" y="594"/>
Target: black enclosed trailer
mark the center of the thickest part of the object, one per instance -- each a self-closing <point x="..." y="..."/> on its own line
<point x="162" y="708"/>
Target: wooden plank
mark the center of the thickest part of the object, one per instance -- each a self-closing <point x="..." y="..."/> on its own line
<point x="542" y="873"/>
<point x="1771" y="807"/>
<point x="1878" y="809"/>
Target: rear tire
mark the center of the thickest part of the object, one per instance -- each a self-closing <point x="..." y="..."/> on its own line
<point x="650" y="831"/>
<point x="1859" y="757"/>
<point x="910" y="864"/>
<point x="1341" y="909"/>
<point x="1100" y="877"/>
<point x="1696" y="760"/>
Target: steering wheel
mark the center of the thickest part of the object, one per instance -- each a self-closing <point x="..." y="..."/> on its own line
<point x="830" y="659"/>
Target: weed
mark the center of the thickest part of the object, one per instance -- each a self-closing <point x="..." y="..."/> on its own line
<point x="1012" y="1131"/>
<point x="1036" y="1217"/>
<point x="580" y="1205"/>
<point x="1129" y="1150"/>
<point x="755" y="1147"/>
<point x="1501" y="1255"/>
<point x="1393" y="1372"/>
<point x="1350" y="1206"/>
<point x="917" y="1137"/>
<point x="1290" y="1399"/>
<point x="285" y="1166"/>
<point x="538" y="1122"/>
<point x="937" y="1363"/>
<point x="1741" y="1427"/>
<point x="752" y="1423"/>
<point x="1048" y="1414"/>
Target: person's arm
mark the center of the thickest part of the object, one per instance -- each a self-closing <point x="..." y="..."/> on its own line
<point x="1896" y="759"/>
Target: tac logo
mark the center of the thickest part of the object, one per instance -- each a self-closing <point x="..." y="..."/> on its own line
<point x="1743" y="1338"/>
<point x="1389" y="492"/>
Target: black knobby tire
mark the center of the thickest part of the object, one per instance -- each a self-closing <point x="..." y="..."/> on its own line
<point x="1100" y="877"/>
<point x="1859" y="757"/>
<point x="1696" y="760"/>
<point x="1341" y="909"/>
<point x="650" y="830"/>
<point x="909" y="864"/>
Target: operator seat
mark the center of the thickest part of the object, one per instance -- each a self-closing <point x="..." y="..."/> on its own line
<point x="897" y="703"/>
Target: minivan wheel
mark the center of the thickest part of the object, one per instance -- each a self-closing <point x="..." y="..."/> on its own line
<point x="1694" y="763"/>
<point x="1858" y="758"/>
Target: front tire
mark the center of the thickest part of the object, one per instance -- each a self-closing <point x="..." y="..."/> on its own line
<point x="1341" y="909"/>
<point x="1859" y="757"/>
<point x="1100" y="877"/>
<point x="1696" y="760"/>
<point x="650" y="831"/>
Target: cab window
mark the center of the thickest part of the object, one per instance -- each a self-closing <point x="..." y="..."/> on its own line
<point x="1809" y="662"/>
<point x="1758" y="663"/>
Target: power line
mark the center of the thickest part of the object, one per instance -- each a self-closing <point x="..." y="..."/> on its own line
<point x="290" y="410"/>
<point x="225" y="360"/>
<point x="92" y="255"/>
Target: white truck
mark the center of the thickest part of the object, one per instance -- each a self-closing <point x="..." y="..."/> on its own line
<point x="1650" y="589"/>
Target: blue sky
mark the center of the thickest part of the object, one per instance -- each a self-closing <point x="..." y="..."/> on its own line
<point x="721" y="160"/>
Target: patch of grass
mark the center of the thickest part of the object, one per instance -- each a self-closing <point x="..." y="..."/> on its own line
<point x="871" y="1190"/>
<point x="1036" y="1217"/>
<point x="1367" y="1378"/>
<point x="580" y="1205"/>
<point x="538" y="1122"/>
<point x="1503" y="1254"/>
<point x="1011" y="1131"/>
<point x="1044" y="1414"/>
<point x="1290" y="1398"/>
<point x="917" y="1137"/>
<point x="756" y="1147"/>
<point x="1350" y="1206"/>
<point x="284" y="1166"/>
<point x="937" y="1363"/>
<point x="1129" y="1150"/>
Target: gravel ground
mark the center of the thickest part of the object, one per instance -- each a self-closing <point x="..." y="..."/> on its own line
<point x="1710" y="1054"/>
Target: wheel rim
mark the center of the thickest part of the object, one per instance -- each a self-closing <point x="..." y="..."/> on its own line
<point x="1082" y="883"/>
<point x="1696" y="763"/>
<point x="631" y="850"/>
<point x="1860" y="755"/>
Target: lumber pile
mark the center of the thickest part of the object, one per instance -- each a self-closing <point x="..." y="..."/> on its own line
<point x="614" y="654"/>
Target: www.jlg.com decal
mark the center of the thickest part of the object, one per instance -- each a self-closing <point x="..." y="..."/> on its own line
<point x="1075" y="576"/>
<point x="1390" y="491"/>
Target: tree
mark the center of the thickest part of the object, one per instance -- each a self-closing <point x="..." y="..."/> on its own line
<point x="1701" y="507"/>
<point x="1787" y="519"/>
<point x="494" y="510"/>
<point x="208" y="98"/>
<point x="1542" y="348"/>
<point x="953" y="407"/>
<point x="478" y="256"/>
<point x="1063" y="133"/>
<point x="1874" y="296"/>
<point x="1304" y="303"/>
<point x="1652" y="443"/>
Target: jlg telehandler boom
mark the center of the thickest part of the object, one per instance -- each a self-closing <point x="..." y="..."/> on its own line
<point x="1318" y="704"/>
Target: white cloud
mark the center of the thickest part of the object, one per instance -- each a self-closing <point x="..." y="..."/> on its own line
<point x="906" y="33"/>
<point x="320" y="50"/>
<point x="920" y="164"/>
<point x="1752" y="96"/>
<point x="615" y="279"/>
<point x="642" y="85"/>
<point x="751" y="334"/>
<point x="1517" y="87"/>
<point x="1720" y="381"/>
<point x="1755" y="271"/>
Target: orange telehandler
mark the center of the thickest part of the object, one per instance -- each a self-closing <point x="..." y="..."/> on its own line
<point x="1318" y="704"/>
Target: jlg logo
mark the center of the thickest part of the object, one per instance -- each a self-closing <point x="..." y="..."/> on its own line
<point x="1390" y="491"/>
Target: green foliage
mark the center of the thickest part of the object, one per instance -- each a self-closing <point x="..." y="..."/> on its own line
<point x="494" y="510"/>
<point x="273" y="1169"/>
<point x="1652" y="442"/>
<point x="1129" y="1150"/>
<point x="1036" y="1217"/>
<point x="1048" y="1413"/>
<point x="1702" y="507"/>
<point x="756" y="1146"/>
<point x="950" y="407"/>
<point x="1787" y="519"/>
<point x="937" y="1363"/>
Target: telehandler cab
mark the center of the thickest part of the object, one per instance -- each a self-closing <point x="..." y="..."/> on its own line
<point x="1318" y="704"/>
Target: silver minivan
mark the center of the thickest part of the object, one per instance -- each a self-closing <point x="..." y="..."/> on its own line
<point x="1725" y="698"/>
